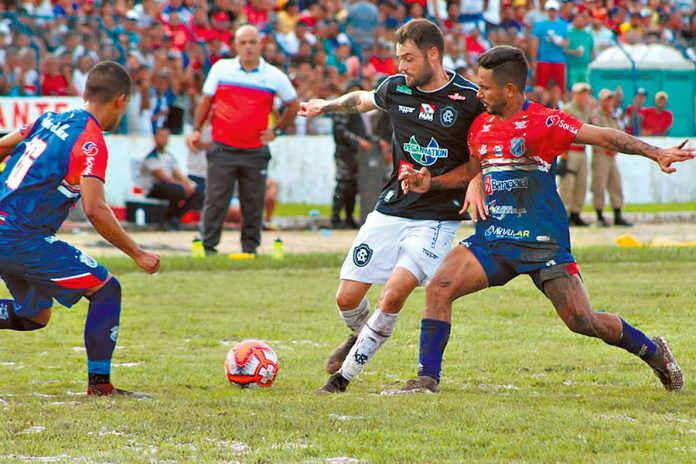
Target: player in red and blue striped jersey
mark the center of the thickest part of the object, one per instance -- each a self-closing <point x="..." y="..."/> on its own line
<point x="54" y="162"/>
<point x="523" y="228"/>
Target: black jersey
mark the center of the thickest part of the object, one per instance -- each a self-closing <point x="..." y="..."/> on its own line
<point x="430" y="129"/>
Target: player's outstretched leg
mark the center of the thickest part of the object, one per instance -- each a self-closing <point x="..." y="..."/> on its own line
<point x="101" y="333"/>
<point x="375" y="334"/>
<point x="10" y="320"/>
<point x="570" y="299"/>
<point x="354" y="310"/>
<point x="459" y="274"/>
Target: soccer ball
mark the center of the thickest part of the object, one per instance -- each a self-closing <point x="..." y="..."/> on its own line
<point x="251" y="363"/>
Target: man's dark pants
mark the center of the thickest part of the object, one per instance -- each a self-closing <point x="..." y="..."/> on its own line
<point x="226" y="166"/>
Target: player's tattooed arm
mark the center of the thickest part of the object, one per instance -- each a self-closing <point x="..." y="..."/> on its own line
<point x="621" y="142"/>
<point x="421" y="181"/>
<point x="353" y="102"/>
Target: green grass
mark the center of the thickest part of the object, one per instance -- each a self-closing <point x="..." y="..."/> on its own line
<point x="304" y="209"/>
<point x="517" y="385"/>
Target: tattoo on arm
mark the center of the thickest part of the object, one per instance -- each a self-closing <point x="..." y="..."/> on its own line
<point x="625" y="143"/>
<point x="348" y="103"/>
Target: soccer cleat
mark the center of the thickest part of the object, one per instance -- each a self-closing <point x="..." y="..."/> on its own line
<point x="423" y="384"/>
<point x="336" y="384"/>
<point x="107" y="389"/>
<point x="337" y="356"/>
<point x="665" y="366"/>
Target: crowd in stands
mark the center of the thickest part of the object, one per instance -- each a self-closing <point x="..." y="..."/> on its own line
<point x="168" y="45"/>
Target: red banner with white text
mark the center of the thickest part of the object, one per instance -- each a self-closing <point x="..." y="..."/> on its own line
<point x="16" y="111"/>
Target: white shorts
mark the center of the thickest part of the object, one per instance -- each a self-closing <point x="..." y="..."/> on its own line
<point x="386" y="242"/>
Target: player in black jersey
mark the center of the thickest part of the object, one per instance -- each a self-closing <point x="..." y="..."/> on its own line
<point x="406" y="237"/>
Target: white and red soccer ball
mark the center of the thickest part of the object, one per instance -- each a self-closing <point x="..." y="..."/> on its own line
<point x="251" y="363"/>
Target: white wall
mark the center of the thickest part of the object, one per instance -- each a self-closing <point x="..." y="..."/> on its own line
<point x="304" y="168"/>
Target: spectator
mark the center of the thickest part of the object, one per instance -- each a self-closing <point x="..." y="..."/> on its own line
<point x="634" y="116"/>
<point x="361" y="23"/>
<point x="28" y="75"/>
<point x="550" y="37"/>
<point x="573" y="185"/>
<point x="56" y="81"/>
<point x="657" y="120"/>
<point x="382" y="60"/>
<point x="161" y="178"/>
<point x="160" y="98"/>
<point x="240" y="135"/>
<point x="605" y="171"/>
<point x="84" y="64"/>
<point x="579" y="51"/>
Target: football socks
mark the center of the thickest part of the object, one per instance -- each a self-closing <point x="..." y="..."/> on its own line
<point x="10" y="320"/>
<point x="355" y="318"/>
<point x="433" y="341"/>
<point x="636" y="342"/>
<point x="101" y="327"/>
<point x="376" y="332"/>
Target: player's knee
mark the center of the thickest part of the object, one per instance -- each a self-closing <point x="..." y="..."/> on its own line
<point x="346" y="301"/>
<point x="439" y="288"/>
<point x="110" y="290"/>
<point x="391" y="300"/>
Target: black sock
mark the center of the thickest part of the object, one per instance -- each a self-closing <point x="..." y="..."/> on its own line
<point x="95" y="379"/>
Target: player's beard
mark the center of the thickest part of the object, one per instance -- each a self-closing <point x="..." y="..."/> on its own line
<point x="424" y="76"/>
<point x="495" y="108"/>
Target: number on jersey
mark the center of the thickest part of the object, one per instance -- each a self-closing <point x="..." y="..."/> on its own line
<point x="32" y="150"/>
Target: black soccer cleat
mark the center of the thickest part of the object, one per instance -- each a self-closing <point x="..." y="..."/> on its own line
<point x="107" y="389"/>
<point x="336" y="384"/>
<point x="665" y="366"/>
<point x="337" y="356"/>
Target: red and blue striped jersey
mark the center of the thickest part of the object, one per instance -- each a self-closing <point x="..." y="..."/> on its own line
<point x="41" y="181"/>
<point x="517" y="156"/>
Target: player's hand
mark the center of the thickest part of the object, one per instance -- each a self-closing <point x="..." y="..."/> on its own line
<point x="148" y="262"/>
<point x="414" y="181"/>
<point x="365" y="144"/>
<point x="193" y="139"/>
<point x="475" y="200"/>
<point x="312" y="108"/>
<point x="267" y="136"/>
<point x="666" y="156"/>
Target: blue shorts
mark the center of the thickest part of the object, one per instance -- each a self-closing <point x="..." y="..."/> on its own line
<point x="38" y="269"/>
<point x="504" y="260"/>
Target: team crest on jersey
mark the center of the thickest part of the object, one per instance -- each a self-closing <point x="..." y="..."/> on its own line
<point x="498" y="149"/>
<point x="448" y="116"/>
<point x="517" y="147"/>
<point x="425" y="156"/>
<point x="90" y="149"/>
<point x="362" y="255"/>
<point x="427" y="112"/>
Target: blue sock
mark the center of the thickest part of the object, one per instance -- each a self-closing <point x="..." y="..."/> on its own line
<point x="433" y="340"/>
<point x="636" y="342"/>
<point x="101" y="327"/>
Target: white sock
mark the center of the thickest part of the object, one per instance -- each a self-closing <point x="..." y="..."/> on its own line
<point x="355" y="318"/>
<point x="375" y="333"/>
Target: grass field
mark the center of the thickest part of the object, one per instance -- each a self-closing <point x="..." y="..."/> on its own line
<point x="517" y="385"/>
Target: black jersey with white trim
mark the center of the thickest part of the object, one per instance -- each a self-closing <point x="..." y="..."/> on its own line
<point x="430" y="130"/>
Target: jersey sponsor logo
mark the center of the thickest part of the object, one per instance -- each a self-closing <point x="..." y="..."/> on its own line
<point x="486" y="128"/>
<point x="456" y="96"/>
<point x="87" y="260"/>
<point x="498" y="150"/>
<point x="483" y="150"/>
<point x="448" y="116"/>
<point x="500" y="211"/>
<point x="362" y="255"/>
<point x="501" y="232"/>
<point x="114" y="333"/>
<point x="521" y="124"/>
<point x="542" y="238"/>
<point x="401" y="88"/>
<point x="404" y="166"/>
<point x="555" y="119"/>
<point x="426" y="156"/>
<point x="517" y="147"/>
<point x="90" y="149"/>
<point x="491" y="185"/>
<point x="427" y="112"/>
<point x="406" y="109"/>
<point x="56" y="128"/>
